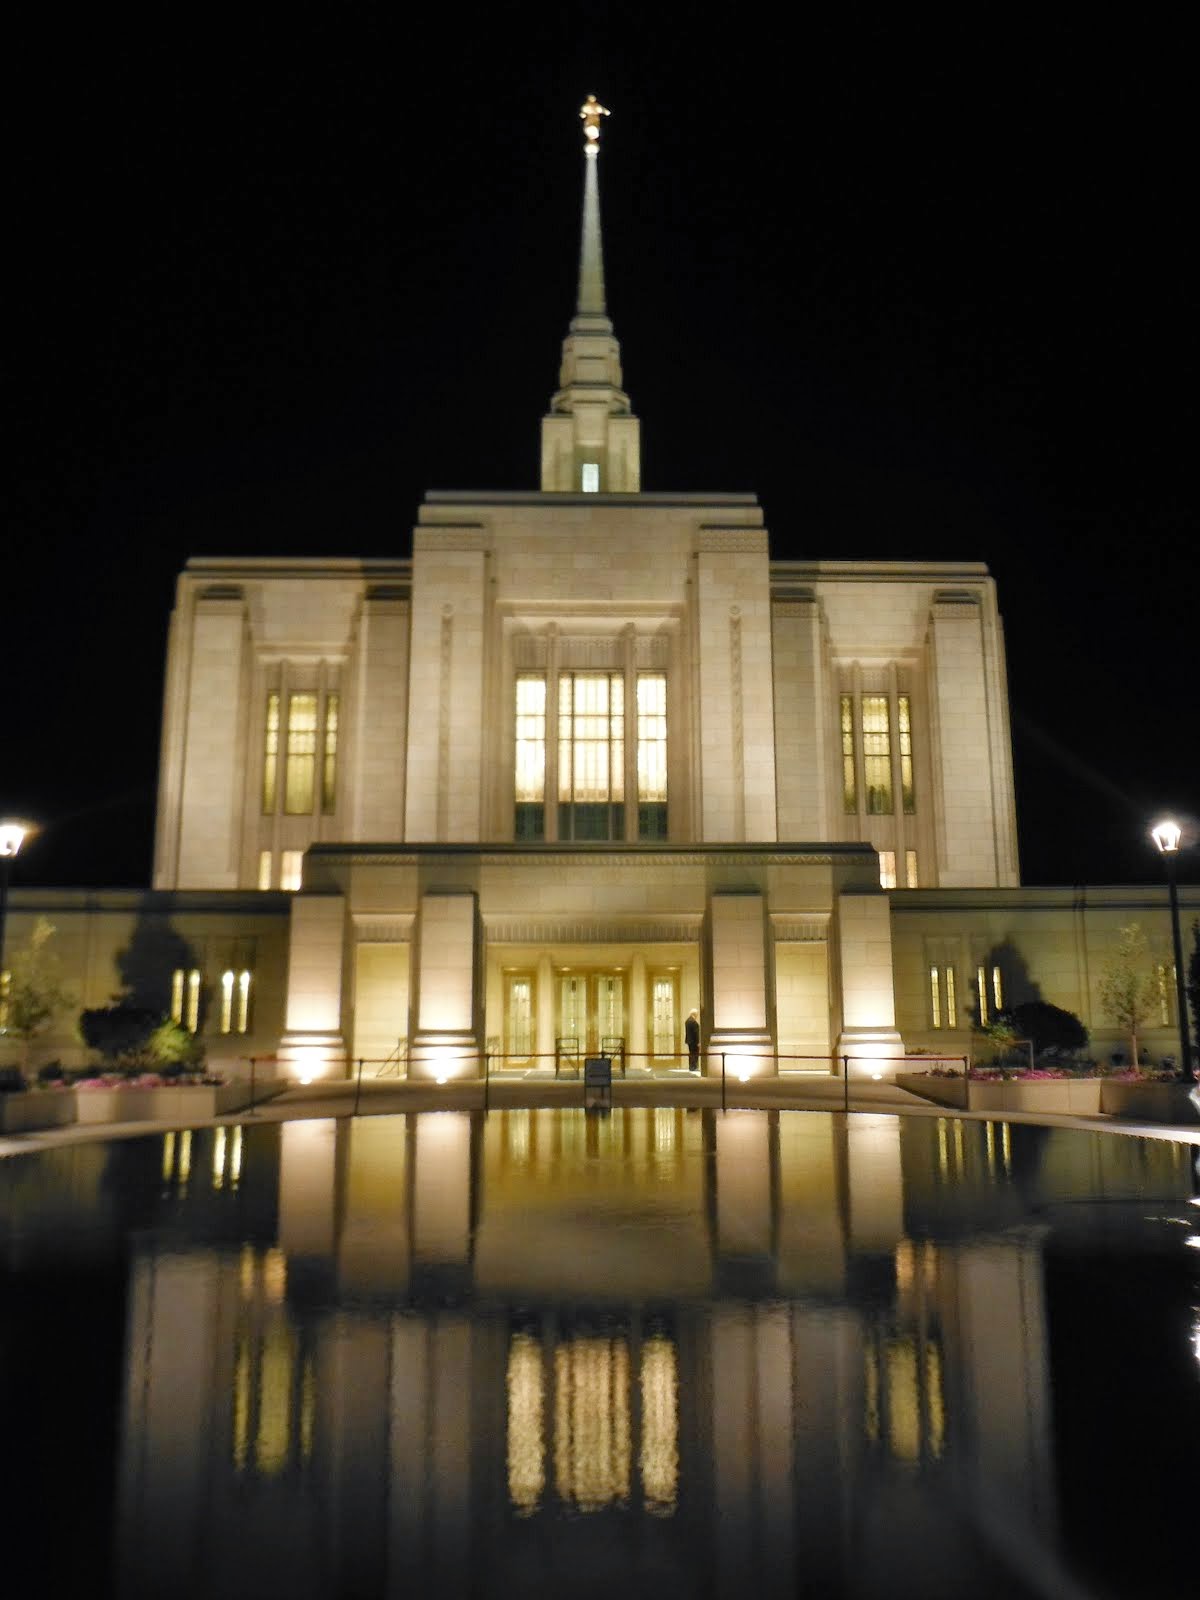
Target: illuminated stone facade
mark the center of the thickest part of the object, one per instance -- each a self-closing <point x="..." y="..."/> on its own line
<point x="587" y="760"/>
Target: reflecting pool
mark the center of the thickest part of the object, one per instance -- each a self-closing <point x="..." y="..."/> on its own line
<point x="658" y="1352"/>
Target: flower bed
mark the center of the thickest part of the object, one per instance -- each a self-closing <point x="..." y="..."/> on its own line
<point x="151" y="1099"/>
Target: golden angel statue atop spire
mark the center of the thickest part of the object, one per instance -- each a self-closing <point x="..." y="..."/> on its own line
<point x="589" y="114"/>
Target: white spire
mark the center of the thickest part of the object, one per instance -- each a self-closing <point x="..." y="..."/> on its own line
<point x="591" y="439"/>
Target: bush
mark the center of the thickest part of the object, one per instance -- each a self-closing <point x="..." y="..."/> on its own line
<point x="1050" y="1027"/>
<point x="134" y="1038"/>
<point x="12" y="1080"/>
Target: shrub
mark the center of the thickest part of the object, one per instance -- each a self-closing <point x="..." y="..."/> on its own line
<point x="1050" y="1027"/>
<point x="12" y="1080"/>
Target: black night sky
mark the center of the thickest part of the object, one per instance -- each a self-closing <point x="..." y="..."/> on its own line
<point x="924" y="287"/>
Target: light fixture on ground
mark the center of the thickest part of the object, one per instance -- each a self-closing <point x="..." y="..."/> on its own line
<point x="1167" y="836"/>
<point x="12" y="836"/>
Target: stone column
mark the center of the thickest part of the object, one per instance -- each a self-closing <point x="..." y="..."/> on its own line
<point x="638" y="1035"/>
<point x="447" y="1041"/>
<point x="545" y="1010"/>
<point x="741" y="1025"/>
<point x="868" y="1035"/>
<point x="314" y="1044"/>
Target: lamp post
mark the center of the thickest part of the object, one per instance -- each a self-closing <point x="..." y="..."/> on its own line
<point x="12" y="835"/>
<point x="1166" y="836"/>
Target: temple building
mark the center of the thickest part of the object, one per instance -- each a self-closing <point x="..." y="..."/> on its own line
<point x="589" y="759"/>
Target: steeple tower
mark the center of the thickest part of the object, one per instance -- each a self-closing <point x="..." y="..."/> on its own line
<point x="591" y="441"/>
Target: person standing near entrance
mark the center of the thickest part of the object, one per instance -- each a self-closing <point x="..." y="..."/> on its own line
<point x="691" y="1033"/>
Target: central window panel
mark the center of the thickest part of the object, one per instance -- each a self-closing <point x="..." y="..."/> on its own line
<point x="591" y="755"/>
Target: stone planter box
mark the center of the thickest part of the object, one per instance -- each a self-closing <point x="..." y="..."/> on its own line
<point x="36" y="1108"/>
<point x="942" y="1091"/>
<point x="1054" y="1096"/>
<point x="1151" y="1102"/>
<point x="197" y="1103"/>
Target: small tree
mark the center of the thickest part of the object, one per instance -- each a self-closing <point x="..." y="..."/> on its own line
<point x="1192" y="980"/>
<point x="36" y="992"/>
<point x="1128" y="990"/>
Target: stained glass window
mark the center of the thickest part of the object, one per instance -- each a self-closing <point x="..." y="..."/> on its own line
<point x="301" y="757"/>
<point x="849" y="781"/>
<point x="877" y="754"/>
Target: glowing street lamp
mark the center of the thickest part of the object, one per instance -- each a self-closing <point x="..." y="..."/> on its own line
<point x="1167" y="835"/>
<point x="12" y="836"/>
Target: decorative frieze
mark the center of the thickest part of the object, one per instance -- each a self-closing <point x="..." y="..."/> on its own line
<point x="540" y="930"/>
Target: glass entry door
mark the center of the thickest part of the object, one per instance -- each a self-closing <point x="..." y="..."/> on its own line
<point x="591" y="1010"/>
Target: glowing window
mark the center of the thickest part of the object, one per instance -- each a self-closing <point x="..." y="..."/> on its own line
<point x="591" y="755"/>
<point x="877" y="754"/>
<point x="652" y="755"/>
<point x="329" y="750"/>
<point x="887" y="869"/>
<point x="5" y="987"/>
<point x="911" y="878"/>
<point x="270" y="779"/>
<point x="1161" y="974"/>
<point x="590" y="477"/>
<point x="301" y="757"/>
<point x="981" y="986"/>
<point x="291" y="866"/>
<point x="997" y="990"/>
<point x="849" y="781"/>
<point x="264" y="869"/>
<point x="185" y="997"/>
<point x="943" y="997"/>
<point x="530" y="757"/>
<point x="520" y="1017"/>
<point x="235" y="1001"/>
<point x="904" y="729"/>
<point x="664" y="1034"/>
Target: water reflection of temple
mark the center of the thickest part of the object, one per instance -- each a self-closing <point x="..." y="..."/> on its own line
<point x="717" y="1351"/>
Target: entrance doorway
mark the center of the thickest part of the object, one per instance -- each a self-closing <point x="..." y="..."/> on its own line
<point x="592" y="1011"/>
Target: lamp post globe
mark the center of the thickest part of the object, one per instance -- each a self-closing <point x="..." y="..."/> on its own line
<point x="1167" y="835"/>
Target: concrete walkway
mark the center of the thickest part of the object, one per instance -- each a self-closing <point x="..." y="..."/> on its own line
<point x="796" y="1092"/>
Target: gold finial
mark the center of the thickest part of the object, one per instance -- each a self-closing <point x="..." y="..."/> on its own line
<point x="590" y="113"/>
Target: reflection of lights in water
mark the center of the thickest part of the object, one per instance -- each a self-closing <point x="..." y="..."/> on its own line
<point x="274" y="1390"/>
<point x="1194" y="1240"/>
<point x="235" y="1162"/>
<point x="659" y="1460"/>
<point x="168" y="1161"/>
<point x="592" y="1427"/>
<point x="664" y="1129"/>
<point x="1196" y="1335"/>
<point x="218" y="1158"/>
<point x="516" y="1128"/>
<point x="591" y="1422"/>
<point x="902" y="1398"/>
<point x="526" y="1478"/>
<point x="185" y="1155"/>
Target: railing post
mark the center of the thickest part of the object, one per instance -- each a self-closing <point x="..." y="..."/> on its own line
<point x="487" y="1072"/>
<point x="252" y="1111"/>
<point x="966" y="1083"/>
<point x="358" y="1086"/>
<point x="723" y="1107"/>
<point x="846" y="1084"/>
